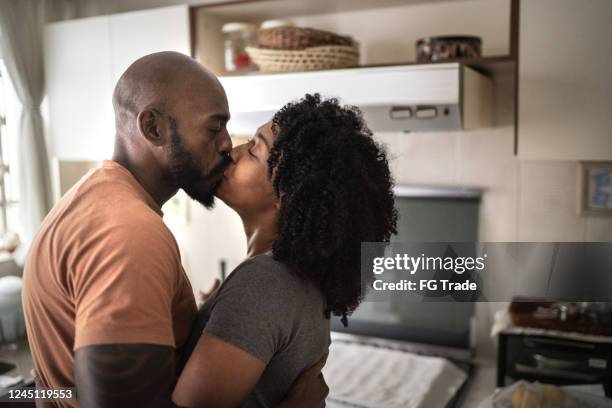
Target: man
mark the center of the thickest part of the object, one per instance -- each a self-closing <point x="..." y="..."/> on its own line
<point x="106" y="301"/>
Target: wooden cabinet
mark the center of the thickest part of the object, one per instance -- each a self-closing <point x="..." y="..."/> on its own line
<point x="565" y="81"/>
<point x="83" y="60"/>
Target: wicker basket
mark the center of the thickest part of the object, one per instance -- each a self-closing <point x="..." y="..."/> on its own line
<point x="308" y="59"/>
<point x="298" y="38"/>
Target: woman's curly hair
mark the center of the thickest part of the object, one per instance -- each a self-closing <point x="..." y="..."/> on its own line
<point x="335" y="190"/>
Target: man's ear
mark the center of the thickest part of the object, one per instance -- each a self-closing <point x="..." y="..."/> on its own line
<point x="151" y="126"/>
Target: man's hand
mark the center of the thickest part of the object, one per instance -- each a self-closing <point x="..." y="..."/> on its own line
<point x="309" y="390"/>
<point x="203" y="296"/>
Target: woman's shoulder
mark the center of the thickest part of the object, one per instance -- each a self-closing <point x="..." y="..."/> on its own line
<point x="262" y="267"/>
<point x="263" y="274"/>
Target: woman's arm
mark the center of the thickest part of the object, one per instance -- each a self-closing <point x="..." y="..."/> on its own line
<point x="217" y="375"/>
<point x="220" y="375"/>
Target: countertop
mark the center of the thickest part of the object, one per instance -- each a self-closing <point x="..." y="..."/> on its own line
<point x="481" y="386"/>
<point x="19" y="356"/>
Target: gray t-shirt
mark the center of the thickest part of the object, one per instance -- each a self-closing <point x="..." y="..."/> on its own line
<point x="274" y="315"/>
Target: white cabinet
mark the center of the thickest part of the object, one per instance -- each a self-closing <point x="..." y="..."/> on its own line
<point x="83" y="60"/>
<point x="77" y="66"/>
<point x="455" y="96"/>
<point x="133" y="35"/>
<point x="565" y="81"/>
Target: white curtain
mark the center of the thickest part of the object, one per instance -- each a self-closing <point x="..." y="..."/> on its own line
<point x="21" y="41"/>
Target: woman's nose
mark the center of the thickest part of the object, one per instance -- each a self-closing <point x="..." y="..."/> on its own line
<point x="235" y="154"/>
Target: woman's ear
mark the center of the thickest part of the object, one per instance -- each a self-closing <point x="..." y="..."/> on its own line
<point x="151" y="126"/>
<point x="277" y="203"/>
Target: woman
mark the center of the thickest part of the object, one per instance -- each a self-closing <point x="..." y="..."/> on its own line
<point x="309" y="188"/>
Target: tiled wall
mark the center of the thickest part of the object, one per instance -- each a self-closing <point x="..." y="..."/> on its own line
<point x="521" y="201"/>
<point x="547" y="205"/>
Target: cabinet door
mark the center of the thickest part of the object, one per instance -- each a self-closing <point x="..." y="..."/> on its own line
<point x="565" y="80"/>
<point x="83" y="60"/>
<point x="79" y="89"/>
<point x="136" y="34"/>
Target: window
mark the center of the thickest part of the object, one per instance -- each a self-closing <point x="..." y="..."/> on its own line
<point x="9" y="108"/>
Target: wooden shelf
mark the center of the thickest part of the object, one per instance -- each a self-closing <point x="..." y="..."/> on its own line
<point x="493" y="67"/>
<point x="257" y="10"/>
<point x="207" y="21"/>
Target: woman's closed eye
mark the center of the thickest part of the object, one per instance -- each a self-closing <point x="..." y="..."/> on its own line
<point x="251" y="144"/>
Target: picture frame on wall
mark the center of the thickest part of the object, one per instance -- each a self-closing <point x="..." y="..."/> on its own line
<point x="595" y="188"/>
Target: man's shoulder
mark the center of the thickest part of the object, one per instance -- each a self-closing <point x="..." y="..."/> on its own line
<point x="109" y="196"/>
<point x="106" y="208"/>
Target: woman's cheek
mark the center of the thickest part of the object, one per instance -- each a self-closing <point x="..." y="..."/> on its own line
<point x="243" y="174"/>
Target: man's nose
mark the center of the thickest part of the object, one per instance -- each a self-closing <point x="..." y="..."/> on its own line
<point x="225" y="143"/>
<point x="235" y="154"/>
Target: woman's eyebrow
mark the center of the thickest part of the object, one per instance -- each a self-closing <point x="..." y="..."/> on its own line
<point x="263" y="140"/>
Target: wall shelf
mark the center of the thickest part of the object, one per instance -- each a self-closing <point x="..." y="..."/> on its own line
<point x="494" y="66"/>
<point x="254" y="10"/>
<point x="385" y="29"/>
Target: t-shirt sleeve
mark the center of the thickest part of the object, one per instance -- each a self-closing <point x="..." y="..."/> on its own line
<point x="254" y="309"/>
<point x="125" y="285"/>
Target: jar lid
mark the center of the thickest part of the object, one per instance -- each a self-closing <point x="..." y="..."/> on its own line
<point x="275" y="23"/>
<point x="450" y="38"/>
<point x="238" y="26"/>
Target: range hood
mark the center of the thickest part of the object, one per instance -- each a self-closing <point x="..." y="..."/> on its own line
<point x="428" y="97"/>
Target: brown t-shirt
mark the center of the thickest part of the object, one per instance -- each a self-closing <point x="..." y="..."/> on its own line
<point x="103" y="269"/>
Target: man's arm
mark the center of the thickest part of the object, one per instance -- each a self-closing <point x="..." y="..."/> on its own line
<point x="124" y="375"/>
<point x="124" y="339"/>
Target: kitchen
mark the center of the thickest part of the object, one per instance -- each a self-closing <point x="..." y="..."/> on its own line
<point x="526" y="118"/>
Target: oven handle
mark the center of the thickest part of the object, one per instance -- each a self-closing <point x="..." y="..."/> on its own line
<point x="554" y="363"/>
<point x="551" y="372"/>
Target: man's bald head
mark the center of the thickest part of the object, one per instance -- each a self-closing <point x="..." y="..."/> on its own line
<point x="159" y="81"/>
<point x="171" y="115"/>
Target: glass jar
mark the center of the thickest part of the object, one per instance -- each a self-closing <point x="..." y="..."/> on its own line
<point x="238" y="36"/>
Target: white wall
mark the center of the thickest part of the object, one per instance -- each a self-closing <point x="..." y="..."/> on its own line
<point x="209" y="237"/>
<point x="566" y="83"/>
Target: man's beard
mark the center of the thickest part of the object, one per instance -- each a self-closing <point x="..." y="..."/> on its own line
<point x="187" y="175"/>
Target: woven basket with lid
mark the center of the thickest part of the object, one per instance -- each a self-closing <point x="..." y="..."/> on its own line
<point x="308" y="59"/>
<point x="298" y="38"/>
